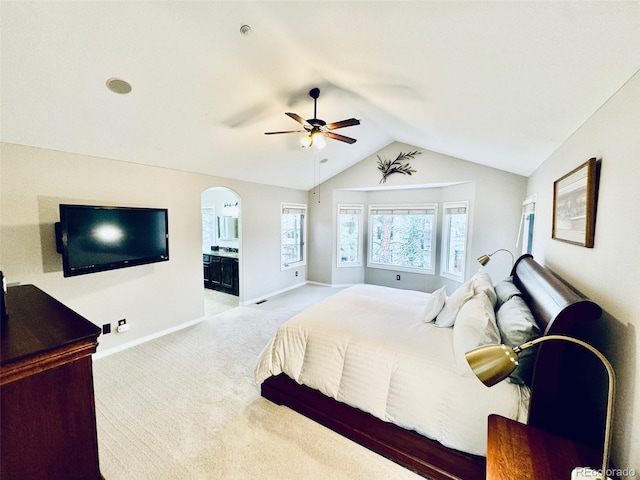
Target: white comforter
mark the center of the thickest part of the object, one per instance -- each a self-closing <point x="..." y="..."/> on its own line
<point x="368" y="347"/>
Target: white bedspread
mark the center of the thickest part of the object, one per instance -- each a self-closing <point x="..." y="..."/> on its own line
<point x="368" y="347"/>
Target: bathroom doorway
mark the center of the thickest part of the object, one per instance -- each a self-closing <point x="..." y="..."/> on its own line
<point x="221" y="252"/>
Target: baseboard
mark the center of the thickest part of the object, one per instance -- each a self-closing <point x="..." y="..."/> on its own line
<point x="138" y="341"/>
<point x="332" y="285"/>
<point x="272" y="294"/>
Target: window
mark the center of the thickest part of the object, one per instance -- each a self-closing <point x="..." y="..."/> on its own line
<point x="349" y="235"/>
<point x="293" y="228"/>
<point x="454" y="240"/>
<point x="208" y="228"/>
<point x="527" y="223"/>
<point x="401" y="237"/>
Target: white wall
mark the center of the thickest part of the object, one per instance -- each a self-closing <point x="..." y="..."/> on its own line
<point x="609" y="272"/>
<point x="154" y="297"/>
<point x="495" y="207"/>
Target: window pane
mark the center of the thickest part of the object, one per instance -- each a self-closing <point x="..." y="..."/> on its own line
<point x="349" y="235"/>
<point x="292" y="235"/>
<point x="454" y="239"/>
<point x="402" y="238"/>
<point x="457" y="240"/>
<point x="208" y="228"/>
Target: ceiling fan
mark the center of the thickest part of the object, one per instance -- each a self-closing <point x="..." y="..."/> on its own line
<point x="317" y="129"/>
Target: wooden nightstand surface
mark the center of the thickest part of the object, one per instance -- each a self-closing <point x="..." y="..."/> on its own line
<point x="516" y="450"/>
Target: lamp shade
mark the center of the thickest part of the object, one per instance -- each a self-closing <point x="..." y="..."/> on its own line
<point x="306" y="141"/>
<point x="492" y="363"/>
<point x="484" y="259"/>
<point x="319" y="141"/>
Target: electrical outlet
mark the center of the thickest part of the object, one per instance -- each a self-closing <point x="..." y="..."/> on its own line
<point x="397" y="277"/>
<point x="123" y="326"/>
<point x="106" y="328"/>
<point x="296" y="273"/>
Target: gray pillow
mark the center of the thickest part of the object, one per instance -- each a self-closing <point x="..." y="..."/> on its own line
<point x="517" y="326"/>
<point x="505" y="290"/>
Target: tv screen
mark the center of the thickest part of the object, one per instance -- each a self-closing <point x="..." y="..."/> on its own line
<point x="95" y="239"/>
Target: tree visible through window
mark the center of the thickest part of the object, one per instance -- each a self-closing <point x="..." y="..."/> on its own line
<point x="402" y="237"/>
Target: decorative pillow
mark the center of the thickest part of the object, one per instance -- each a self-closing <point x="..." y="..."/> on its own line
<point x="505" y="290"/>
<point x="475" y="326"/>
<point x="482" y="283"/>
<point x="447" y="316"/>
<point x="517" y="326"/>
<point x="435" y="304"/>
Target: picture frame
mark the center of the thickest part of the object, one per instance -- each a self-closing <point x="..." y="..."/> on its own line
<point x="574" y="205"/>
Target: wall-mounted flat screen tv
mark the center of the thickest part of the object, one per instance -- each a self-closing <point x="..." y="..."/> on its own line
<point x="94" y="239"/>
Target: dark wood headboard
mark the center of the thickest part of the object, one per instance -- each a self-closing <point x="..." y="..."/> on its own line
<point x="555" y="305"/>
<point x="565" y="398"/>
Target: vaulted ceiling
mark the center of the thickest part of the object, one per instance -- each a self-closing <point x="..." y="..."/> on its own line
<point x="498" y="83"/>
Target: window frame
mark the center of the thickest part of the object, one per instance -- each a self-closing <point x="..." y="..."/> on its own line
<point x="303" y="243"/>
<point x="418" y="206"/>
<point x="527" y="224"/>
<point x="445" y="253"/>
<point x="360" y="226"/>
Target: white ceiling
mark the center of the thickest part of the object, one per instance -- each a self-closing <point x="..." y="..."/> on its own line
<point x="497" y="83"/>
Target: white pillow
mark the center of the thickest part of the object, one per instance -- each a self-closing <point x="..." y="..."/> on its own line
<point x="482" y="283"/>
<point x="474" y="327"/>
<point x="447" y="316"/>
<point x="434" y="304"/>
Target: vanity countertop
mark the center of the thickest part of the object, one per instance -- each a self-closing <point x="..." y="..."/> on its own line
<point x="222" y="254"/>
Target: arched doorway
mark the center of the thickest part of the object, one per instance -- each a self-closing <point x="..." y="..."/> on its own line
<point x="221" y="240"/>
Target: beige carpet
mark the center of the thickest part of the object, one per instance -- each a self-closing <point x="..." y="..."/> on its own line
<point x="185" y="406"/>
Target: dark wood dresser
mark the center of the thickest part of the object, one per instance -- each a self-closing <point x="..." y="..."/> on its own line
<point x="516" y="450"/>
<point x="48" y="422"/>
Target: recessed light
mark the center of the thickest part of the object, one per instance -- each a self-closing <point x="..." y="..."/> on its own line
<point x="117" y="85"/>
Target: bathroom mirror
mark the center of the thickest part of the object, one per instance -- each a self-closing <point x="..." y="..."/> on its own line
<point x="227" y="228"/>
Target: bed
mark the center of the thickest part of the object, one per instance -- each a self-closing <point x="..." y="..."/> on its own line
<point x="373" y="365"/>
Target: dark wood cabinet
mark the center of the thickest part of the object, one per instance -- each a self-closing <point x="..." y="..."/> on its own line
<point x="229" y="275"/>
<point x="215" y="272"/>
<point x="221" y="273"/>
<point x="47" y="416"/>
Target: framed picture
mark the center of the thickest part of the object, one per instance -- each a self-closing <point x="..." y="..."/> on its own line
<point x="574" y="205"/>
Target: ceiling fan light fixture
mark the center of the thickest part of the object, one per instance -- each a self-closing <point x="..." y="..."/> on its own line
<point x="306" y="141"/>
<point x="319" y="141"/>
<point x="316" y="128"/>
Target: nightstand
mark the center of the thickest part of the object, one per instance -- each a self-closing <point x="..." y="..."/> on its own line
<point x="516" y="450"/>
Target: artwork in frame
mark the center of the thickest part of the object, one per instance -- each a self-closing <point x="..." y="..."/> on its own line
<point x="574" y="205"/>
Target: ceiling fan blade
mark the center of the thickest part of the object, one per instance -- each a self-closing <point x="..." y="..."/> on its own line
<point x="342" y="138"/>
<point x="344" y="123"/>
<point x="286" y="131"/>
<point x="298" y="119"/>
